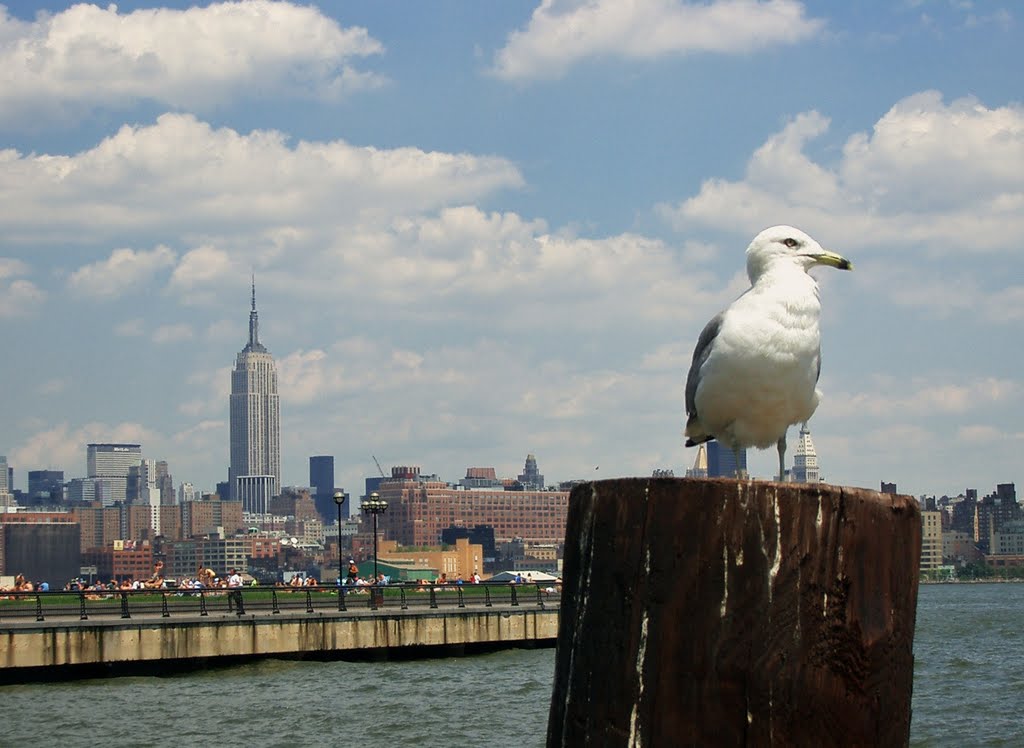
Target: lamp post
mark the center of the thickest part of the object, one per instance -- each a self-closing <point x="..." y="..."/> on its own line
<point x="375" y="505"/>
<point x="339" y="499"/>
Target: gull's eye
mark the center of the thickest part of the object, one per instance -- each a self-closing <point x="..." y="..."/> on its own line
<point x="791" y="243"/>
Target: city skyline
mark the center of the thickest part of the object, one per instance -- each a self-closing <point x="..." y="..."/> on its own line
<point x="475" y="240"/>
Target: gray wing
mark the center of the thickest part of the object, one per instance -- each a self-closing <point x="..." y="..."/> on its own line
<point x="700" y="355"/>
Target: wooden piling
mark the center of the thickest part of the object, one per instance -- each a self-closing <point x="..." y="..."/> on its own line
<point x="728" y="613"/>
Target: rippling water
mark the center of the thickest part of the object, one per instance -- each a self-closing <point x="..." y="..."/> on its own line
<point x="968" y="684"/>
<point x="969" y="670"/>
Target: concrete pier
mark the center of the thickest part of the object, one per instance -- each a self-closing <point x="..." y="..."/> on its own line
<point x="721" y="612"/>
<point x="65" y="649"/>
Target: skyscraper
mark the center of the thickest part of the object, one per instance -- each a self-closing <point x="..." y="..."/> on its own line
<point x="805" y="460"/>
<point x="255" y="413"/>
<point x="321" y="480"/>
<point x="112" y="462"/>
<point x="45" y="483"/>
<point x="6" y="495"/>
<point x="722" y="461"/>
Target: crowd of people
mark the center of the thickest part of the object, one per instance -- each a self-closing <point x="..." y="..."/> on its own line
<point x="24" y="585"/>
<point x="208" y="579"/>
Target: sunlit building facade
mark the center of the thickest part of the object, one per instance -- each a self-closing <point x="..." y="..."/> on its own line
<point x="255" y="413"/>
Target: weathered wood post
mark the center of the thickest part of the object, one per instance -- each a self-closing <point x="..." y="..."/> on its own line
<point x="728" y="613"/>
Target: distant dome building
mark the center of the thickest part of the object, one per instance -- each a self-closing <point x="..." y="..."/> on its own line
<point x="805" y="460"/>
<point x="531" y="477"/>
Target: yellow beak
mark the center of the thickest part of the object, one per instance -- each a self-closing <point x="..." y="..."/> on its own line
<point x="833" y="260"/>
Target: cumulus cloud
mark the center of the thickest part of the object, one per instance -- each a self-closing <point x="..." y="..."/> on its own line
<point x="921" y="397"/>
<point x="562" y="33"/>
<point x="202" y="266"/>
<point x="479" y="270"/>
<point x="982" y="434"/>
<point x="304" y="376"/>
<point x="211" y="387"/>
<point x="87" y="56"/>
<point x="172" y="333"/>
<point x="18" y="297"/>
<point x="124" y="270"/>
<point x="65" y="446"/>
<point x="947" y="295"/>
<point x="180" y="174"/>
<point x="942" y="176"/>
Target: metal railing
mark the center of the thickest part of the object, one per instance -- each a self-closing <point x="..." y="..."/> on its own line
<point x="87" y="604"/>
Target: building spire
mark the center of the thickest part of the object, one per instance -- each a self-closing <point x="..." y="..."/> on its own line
<point x="254" y="324"/>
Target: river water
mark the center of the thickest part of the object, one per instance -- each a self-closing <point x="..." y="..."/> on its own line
<point x="968" y="684"/>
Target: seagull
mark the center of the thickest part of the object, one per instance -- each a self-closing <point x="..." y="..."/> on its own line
<point x="756" y="365"/>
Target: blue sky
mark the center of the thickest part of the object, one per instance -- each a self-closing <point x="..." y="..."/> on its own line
<point x="485" y="229"/>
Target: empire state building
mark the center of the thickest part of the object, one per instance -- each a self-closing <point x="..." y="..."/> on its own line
<point x="255" y="472"/>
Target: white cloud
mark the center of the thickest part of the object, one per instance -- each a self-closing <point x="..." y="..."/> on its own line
<point x="304" y="376"/>
<point x="943" y="177"/>
<point x="62" y="445"/>
<point x="202" y="266"/>
<point x="11" y="267"/>
<point x="983" y="434"/>
<point x="561" y="34"/>
<point x="211" y="387"/>
<point x="222" y="330"/>
<point x="181" y="176"/>
<point x="172" y="333"/>
<point x="87" y="56"/>
<point x="945" y="295"/>
<point x="123" y="271"/>
<point x="893" y="397"/>
<point x="18" y="297"/>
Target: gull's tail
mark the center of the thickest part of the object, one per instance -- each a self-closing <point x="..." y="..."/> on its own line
<point x="694" y="433"/>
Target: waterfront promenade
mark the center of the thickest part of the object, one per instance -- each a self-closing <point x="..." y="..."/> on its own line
<point x="72" y="634"/>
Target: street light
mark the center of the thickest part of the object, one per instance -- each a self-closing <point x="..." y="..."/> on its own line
<point x="375" y="505"/>
<point x="339" y="499"/>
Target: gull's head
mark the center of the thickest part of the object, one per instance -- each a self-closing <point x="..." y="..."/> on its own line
<point x="789" y="245"/>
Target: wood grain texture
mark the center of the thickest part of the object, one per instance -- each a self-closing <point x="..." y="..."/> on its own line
<point x="724" y="612"/>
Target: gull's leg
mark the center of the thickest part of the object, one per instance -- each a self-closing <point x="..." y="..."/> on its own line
<point x="740" y="472"/>
<point x="782" y="458"/>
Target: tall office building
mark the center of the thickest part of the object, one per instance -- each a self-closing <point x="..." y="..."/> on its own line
<point x="149" y="492"/>
<point x="112" y="462"/>
<point x="255" y="415"/>
<point x="722" y="461"/>
<point x="321" y="480"/>
<point x="6" y="494"/>
<point x="45" y="483"/>
<point x="164" y="483"/>
<point x="805" y="459"/>
<point x="88" y="490"/>
<point x="187" y="492"/>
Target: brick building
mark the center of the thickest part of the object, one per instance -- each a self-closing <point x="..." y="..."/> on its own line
<point x="122" y="560"/>
<point x="419" y="510"/>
